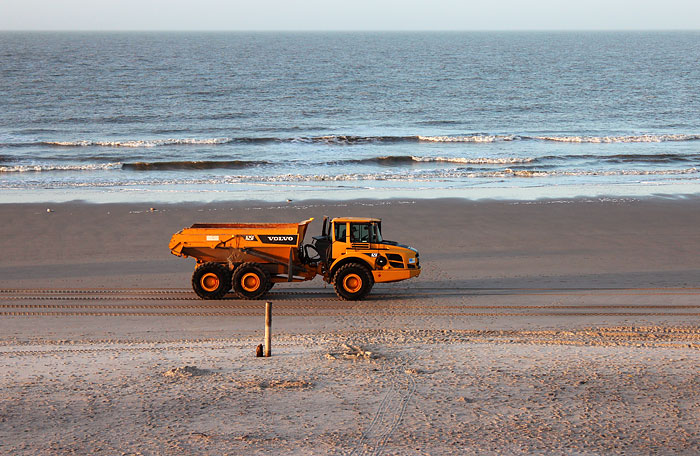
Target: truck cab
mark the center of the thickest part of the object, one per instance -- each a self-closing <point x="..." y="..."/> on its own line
<point x="359" y="242"/>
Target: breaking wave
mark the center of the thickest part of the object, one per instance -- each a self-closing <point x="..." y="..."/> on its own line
<point x="619" y="139"/>
<point x="349" y="139"/>
<point x="341" y="140"/>
<point x="629" y="158"/>
<point x="137" y="166"/>
<point x="240" y="164"/>
<point x="39" y="168"/>
<point x="138" y="142"/>
<point x="483" y="138"/>
<point x="475" y="161"/>
<point x="469" y="138"/>
<point x="331" y="140"/>
<point x="408" y="159"/>
<point x="397" y="161"/>
<point x="194" y="165"/>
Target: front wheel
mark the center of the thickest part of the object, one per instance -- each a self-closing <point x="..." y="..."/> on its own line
<point x="352" y="282"/>
<point x="211" y="281"/>
<point x="250" y="281"/>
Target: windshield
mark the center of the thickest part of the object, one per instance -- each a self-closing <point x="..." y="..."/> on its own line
<point x="365" y="232"/>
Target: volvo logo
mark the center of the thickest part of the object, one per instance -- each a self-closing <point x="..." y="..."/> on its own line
<point x="270" y="239"/>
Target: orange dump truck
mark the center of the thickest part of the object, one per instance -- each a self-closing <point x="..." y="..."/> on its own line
<point x="350" y="253"/>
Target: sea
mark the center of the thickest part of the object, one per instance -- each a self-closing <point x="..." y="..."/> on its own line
<point x="211" y="116"/>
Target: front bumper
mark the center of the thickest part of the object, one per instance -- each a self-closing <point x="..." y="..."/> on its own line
<point x="395" y="275"/>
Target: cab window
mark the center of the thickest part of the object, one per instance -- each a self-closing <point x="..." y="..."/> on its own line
<point x="340" y="229"/>
<point x="377" y="233"/>
<point x="359" y="232"/>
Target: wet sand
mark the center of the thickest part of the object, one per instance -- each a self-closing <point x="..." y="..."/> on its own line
<point x="564" y="327"/>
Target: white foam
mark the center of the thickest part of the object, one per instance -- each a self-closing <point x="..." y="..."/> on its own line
<point x="431" y="176"/>
<point x="449" y="174"/>
<point x="648" y="138"/>
<point x="39" y="168"/>
<point x="469" y="138"/>
<point x="475" y="161"/>
<point x="619" y="139"/>
<point x="631" y="172"/>
<point x="140" y="142"/>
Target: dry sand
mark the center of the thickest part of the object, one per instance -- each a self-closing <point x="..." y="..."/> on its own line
<point x="558" y="327"/>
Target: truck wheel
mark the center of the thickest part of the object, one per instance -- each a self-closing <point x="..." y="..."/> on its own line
<point x="211" y="281"/>
<point x="250" y="281"/>
<point x="352" y="282"/>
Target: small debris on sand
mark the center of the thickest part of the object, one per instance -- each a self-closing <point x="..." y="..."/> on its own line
<point x="186" y="371"/>
<point x="200" y="435"/>
<point x="352" y="352"/>
<point x="49" y="210"/>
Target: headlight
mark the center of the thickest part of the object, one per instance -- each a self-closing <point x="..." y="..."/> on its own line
<point x="411" y="260"/>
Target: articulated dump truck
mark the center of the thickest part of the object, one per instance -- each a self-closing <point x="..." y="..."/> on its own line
<point x="350" y="253"/>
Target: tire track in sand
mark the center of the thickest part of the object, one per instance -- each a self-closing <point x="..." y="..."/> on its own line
<point x="390" y="413"/>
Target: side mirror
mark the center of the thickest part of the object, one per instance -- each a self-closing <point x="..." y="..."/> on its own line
<point x="324" y="230"/>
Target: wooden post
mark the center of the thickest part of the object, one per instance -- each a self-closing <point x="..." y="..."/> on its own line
<point x="268" y="327"/>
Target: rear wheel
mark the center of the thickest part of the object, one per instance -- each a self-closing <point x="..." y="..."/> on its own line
<point x="211" y="281"/>
<point x="352" y="282"/>
<point x="250" y="281"/>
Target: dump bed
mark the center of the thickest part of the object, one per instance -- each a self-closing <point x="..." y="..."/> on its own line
<point x="223" y="242"/>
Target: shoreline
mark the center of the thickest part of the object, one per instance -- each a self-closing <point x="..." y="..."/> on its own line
<point x="223" y="194"/>
<point x="290" y="202"/>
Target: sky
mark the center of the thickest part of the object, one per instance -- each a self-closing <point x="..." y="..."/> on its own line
<point x="349" y="15"/>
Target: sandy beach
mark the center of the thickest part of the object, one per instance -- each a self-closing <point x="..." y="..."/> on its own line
<point x="552" y="326"/>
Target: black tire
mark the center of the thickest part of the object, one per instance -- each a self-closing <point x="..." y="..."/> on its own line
<point x="211" y="281"/>
<point x="353" y="282"/>
<point x="250" y="281"/>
